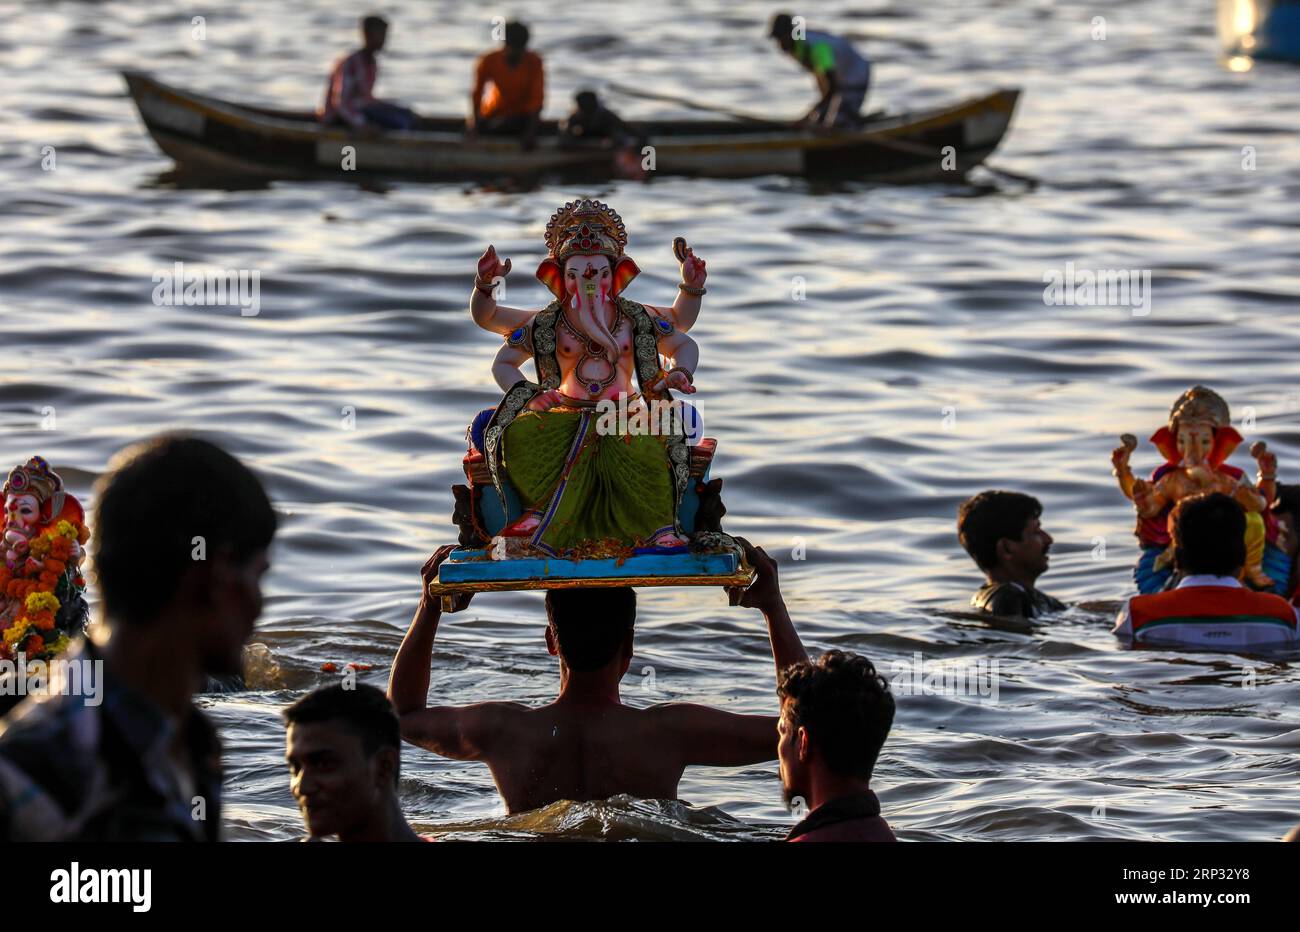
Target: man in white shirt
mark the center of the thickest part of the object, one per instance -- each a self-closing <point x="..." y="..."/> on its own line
<point x="1209" y="608"/>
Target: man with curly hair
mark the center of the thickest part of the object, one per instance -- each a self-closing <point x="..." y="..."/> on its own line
<point x="836" y="712"/>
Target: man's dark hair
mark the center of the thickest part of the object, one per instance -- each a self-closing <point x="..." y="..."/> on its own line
<point x="363" y="710"/>
<point x="591" y="624"/>
<point x="988" y="517"/>
<point x="156" y="499"/>
<point x="782" y="26"/>
<point x="586" y="100"/>
<point x="516" y="35"/>
<point x="1209" y="535"/>
<point x="845" y="706"/>
<point x="373" y="22"/>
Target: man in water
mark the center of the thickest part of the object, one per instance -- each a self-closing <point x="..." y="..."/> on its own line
<point x="1209" y="607"/>
<point x="181" y="531"/>
<point x="508" y="90"/>
<point x="843" y="74"/>
<point x="835" y="715"/>
<point x="588" y="745"/>
<point x="349" y="96"/>
<point x="1002" y="533"/>
<point x="343" y="747"/>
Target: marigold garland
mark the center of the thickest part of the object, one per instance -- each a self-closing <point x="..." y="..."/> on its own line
<point x="33" y="632"/>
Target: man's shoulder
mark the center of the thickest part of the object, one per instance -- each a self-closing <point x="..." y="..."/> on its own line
<point x="1004" y="598"/>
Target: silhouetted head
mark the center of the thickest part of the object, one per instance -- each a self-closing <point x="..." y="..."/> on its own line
<point x="516" y="36"/>
<point x="343" y="748"/>
<point x="836" y="712"/>
<point x="591" y="629"/>
<point x="1002" y="533"/>
<point x="374" y="32"/>
<point x="783" y="31"/>
<point x="1209" y="535"/>
<point x="181" y="531"/>
<point x="587" y="101"/>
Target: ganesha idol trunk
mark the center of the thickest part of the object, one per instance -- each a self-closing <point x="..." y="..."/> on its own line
<point x="578" y="479"/>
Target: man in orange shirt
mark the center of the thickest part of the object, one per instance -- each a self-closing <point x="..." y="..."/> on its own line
<point x="507" y="97"/>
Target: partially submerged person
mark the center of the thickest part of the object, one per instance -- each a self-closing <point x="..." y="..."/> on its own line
<point x="587" y="745"/>
<point x="343" y="748"/>
<point x="350" y="94"/>
<point x="508" y="89"/>
<point x="835" y="715"/>
<point x="1209" y="607"/>
<point x="593" y="122"/>
<point x="1004" y="535"/>
<point x="843" y="74"/>
<point x="128" y="756"/>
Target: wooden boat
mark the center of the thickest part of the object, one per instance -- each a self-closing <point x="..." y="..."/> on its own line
<point x="206" y="134"/>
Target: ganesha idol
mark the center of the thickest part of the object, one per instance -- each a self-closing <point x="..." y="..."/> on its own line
<point x="1196" y="444"/>
<point x="578" y="477"/>
<point x="42" y="605"/>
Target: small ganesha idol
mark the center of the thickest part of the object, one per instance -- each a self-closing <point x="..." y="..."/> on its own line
<point x="594" y="462"/>
<point x="42" y="605"/>
<point x="1196" y="444"/>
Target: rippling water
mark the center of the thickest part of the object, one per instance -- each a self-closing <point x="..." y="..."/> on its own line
<point x="922" y="366"/>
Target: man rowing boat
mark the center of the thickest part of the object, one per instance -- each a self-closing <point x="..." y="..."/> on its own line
<point x="349" y="96"/>
<point x="843" y="74"/>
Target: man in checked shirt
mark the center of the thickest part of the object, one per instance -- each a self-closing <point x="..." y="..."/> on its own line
<point x="349" y="96"/>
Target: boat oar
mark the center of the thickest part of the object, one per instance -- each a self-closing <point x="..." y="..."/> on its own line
<point x="899" y="145"/>
<point x="692" y="105"/>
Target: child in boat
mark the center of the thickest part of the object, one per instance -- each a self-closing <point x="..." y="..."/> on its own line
<point x="1002" y="533"/>
<point x="593" y="122"/>
<point x="1209" y="607"/>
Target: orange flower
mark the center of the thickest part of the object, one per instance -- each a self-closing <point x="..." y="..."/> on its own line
<point x="83" y="534"/>
<point x="35" y="644"/>
<point x="43" y="620"/>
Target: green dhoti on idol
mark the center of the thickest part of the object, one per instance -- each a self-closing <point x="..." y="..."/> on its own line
<point x="594" y="452"/>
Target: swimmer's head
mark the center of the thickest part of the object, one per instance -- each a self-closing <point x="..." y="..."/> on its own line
<point x="836" y="712"/>
<point x="1002" y="533"/>
<point x="1209" y="532"/>
<point x="343" y="748"/>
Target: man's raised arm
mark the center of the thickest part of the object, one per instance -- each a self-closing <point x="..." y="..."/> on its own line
<point x="764" y="594"/>
<point x="450" y="731"/>
<point x="712" y="737"/>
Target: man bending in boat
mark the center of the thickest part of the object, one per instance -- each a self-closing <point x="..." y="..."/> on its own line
<point x="1004" y="536"/>
<point x="349" y="97"/>
<point x="588" y="745"/>
<point x="843" y="74"/>
<point x="508" y="90"/>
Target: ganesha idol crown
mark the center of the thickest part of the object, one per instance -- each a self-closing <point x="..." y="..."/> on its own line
<point x="37" y="479"/>
<point x="585" y="227"/>
<point x="1199" y="405"/>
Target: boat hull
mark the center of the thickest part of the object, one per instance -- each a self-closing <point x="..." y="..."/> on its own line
<point x="207" y="134"/>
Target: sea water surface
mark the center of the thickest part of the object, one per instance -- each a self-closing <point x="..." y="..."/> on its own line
<point x="921" y="366"/>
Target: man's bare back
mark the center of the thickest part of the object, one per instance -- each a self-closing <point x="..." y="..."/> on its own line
<point x="587" y="745"/>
